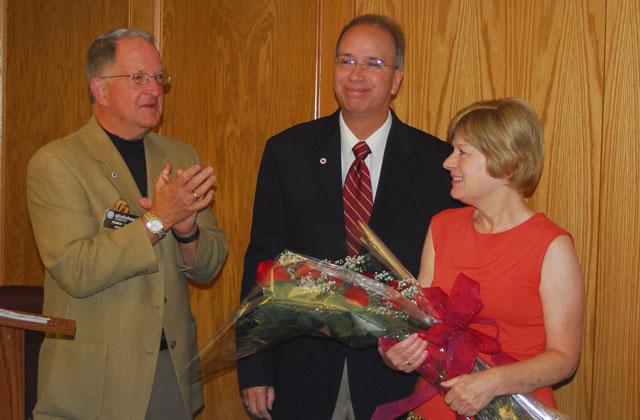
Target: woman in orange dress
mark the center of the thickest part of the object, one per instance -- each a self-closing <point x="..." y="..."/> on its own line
<point x="530" y="280"/>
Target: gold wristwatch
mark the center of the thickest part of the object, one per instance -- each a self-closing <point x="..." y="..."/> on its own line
<point x="154" y="224"/>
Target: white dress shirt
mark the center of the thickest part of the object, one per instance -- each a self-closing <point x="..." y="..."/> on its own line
<point x="377" y="143"/>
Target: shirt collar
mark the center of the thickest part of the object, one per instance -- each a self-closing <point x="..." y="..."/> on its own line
<point x="376" y="141"/>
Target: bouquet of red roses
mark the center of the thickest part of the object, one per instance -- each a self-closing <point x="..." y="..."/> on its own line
<point x="298" y="295"/>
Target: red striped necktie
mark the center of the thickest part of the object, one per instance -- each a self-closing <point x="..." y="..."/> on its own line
<point x="357" y="197"/>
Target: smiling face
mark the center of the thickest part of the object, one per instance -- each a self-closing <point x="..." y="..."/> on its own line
<point x="470" y="181"/>
<point x="123" y="107"/>
<point x="364" y="94"/>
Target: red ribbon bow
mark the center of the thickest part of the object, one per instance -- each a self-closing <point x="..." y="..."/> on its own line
<point x="453" y="345"/>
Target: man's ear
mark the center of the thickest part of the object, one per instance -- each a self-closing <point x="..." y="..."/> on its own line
<point x="398" y="74"/>
<point x="99" y="89"/>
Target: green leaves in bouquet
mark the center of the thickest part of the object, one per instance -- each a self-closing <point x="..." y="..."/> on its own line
<point x="301" y="296"/>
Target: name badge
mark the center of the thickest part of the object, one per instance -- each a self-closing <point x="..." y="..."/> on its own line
<point x="115" y="219"/>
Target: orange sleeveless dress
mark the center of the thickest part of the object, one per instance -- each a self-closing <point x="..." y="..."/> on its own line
<point x="507" y="265"/>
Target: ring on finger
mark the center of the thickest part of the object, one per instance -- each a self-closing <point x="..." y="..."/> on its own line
<point x="196" y="196"/>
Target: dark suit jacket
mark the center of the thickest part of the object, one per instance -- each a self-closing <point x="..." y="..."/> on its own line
<point x="298" y="206"/>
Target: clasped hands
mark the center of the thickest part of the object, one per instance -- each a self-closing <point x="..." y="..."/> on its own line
<point x="466" y="395"/>
<point x="178" y="198"/>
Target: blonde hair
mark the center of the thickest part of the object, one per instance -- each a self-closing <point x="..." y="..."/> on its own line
<point x="508" y="133"/>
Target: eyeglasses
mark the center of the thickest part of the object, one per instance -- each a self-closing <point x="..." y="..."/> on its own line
<point x="142" y="78"/>
<point x="370" y="65"/>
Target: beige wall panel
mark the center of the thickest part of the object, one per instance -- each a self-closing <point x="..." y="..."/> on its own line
<point x="145" y="15"/>
<point x="566" y="67"/>
<point x="243" y="71"/>
<point x="334" y="14"/>
<point x="45" y="98"/>
<point x="617" y="360"/>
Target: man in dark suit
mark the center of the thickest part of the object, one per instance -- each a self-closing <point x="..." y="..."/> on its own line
<point x="299" y="206"/>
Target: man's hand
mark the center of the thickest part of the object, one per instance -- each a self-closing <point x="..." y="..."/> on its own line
<point x="258" y="400"/>
<point x="178" y="199"/>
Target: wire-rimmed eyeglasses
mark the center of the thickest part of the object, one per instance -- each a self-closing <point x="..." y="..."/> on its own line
<point x="371" y="65"/>
<point x="142" y="78"/>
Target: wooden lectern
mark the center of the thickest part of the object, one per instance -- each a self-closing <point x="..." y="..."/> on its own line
<point x="12" y="358"/>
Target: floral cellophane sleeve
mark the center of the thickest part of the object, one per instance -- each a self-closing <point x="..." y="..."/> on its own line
<point x="297" y="295"/>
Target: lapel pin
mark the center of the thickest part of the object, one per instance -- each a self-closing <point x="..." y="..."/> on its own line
<point x="114" y="174"/>
<point x="323" y="161"/>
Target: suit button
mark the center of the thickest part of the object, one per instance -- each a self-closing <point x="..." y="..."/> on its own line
<point x="173" y="344"/>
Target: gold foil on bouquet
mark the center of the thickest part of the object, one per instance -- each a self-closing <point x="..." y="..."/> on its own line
<point x="379" y="250"/>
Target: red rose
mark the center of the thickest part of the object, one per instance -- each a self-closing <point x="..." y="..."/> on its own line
<point x="269" y="271"/>
<point x="307" y="270"/>
<point x="262" y="270"/>
<point x="356" y="295"/>
<point x="394" y="304"/>
<point x="336" y="280"/>
<point x="280" y="273"/>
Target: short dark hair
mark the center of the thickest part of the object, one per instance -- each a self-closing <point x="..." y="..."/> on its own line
<point x="102" y="51"/>
<point x="385" y="23"/>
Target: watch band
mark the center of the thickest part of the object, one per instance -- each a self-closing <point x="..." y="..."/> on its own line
<point x="187" y="239"/>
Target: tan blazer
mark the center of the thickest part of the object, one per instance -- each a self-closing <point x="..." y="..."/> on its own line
<point x="120" y="290"/>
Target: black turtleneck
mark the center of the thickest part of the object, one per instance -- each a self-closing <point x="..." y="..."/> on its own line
<point x="132" y="151"/>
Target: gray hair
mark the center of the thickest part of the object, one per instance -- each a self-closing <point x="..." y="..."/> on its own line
<point x="102" y="51"/>
<point x="385" y="23"/>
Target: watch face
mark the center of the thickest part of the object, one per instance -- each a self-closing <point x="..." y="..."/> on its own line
<point x="155" y="225"/>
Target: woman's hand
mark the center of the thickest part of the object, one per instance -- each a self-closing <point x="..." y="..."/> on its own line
<point x="468" y="394"/>
<point x="407" y="355"/>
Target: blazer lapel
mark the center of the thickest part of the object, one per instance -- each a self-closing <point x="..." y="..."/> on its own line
<point x="155" y="161"/>
<point x="113" y="167"/>
<point x="325" y="168"/>
<point x="395" y="177"/>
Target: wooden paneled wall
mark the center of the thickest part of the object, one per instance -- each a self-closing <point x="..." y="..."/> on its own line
<point x="616" y="353"/>
<point x="246" y="69"/>
<point x="45" y="97"/>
